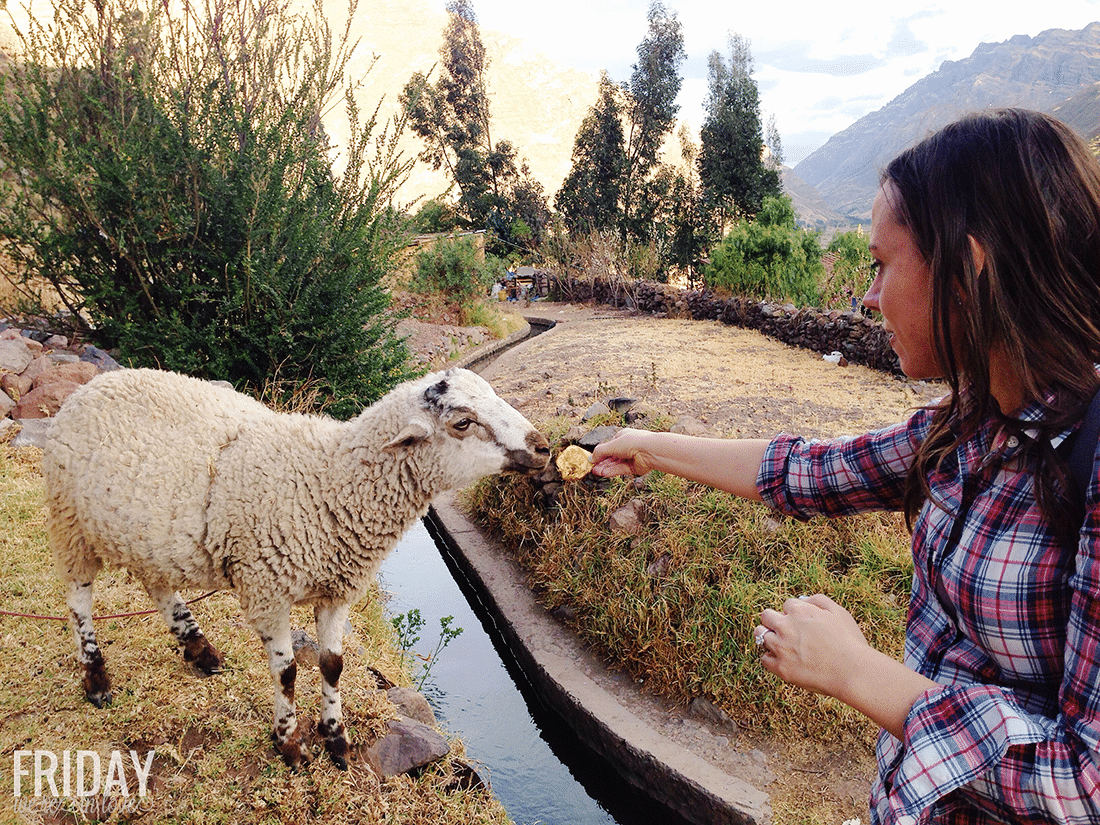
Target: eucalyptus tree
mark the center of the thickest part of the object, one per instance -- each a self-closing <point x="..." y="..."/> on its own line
<point x="453" y="118"/>
<point x="733" y="174"/>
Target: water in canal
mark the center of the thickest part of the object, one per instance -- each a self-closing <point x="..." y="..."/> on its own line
<point x="531" y="761"/>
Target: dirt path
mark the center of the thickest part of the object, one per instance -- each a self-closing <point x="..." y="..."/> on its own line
<point x="735" y="381"/>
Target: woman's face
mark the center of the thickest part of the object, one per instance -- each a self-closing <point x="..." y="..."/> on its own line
<point x="902" y="290"/>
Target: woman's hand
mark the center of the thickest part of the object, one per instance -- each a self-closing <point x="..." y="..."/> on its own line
<point x="622" y="454"/>
<point x="811" y="644"/>
<point x="816" y="644"/>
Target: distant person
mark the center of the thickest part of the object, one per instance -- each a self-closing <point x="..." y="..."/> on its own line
<point x="986" y="241"/>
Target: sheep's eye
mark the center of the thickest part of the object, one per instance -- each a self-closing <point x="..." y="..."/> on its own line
<point x="463" y="424"/>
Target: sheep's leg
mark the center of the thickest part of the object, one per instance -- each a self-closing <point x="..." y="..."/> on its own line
<point x="97" y="684"/>
<point x="330" y="638"/>
<point x="177" y="615"/>
<point x="286" y="734"/>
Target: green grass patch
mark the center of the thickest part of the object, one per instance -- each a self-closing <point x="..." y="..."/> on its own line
<point x="675" y="605"/>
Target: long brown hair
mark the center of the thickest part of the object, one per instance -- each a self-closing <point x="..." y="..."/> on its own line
<point x="1027" y="189"/>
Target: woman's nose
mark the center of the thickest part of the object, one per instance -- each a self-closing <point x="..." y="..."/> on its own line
<point x="870" y="299"/>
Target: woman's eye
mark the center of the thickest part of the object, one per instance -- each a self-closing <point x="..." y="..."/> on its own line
<point x="875" y="267"/>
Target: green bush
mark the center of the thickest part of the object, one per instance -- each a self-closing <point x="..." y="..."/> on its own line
<point x="851" y="275"/>
<point x="769" y="258"/>
<point x="167" y="171"/>
<point x="457" y="269"/>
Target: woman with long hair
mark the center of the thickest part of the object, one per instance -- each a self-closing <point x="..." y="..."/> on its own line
<point x="986" y="241"/>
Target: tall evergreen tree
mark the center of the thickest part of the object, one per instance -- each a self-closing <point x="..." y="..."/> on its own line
<point x="454" y="120"/>
<point x="589" y="196"/>
<point x="654" y="84"/>
<point x="733" y="175"/>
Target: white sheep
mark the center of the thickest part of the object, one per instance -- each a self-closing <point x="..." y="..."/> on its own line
<point x="191" y="485"/>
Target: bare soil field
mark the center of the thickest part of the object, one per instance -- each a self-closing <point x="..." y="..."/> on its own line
<point x="735" y="382"/>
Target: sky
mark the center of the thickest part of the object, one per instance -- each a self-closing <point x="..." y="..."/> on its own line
<point x="819" y="66"/>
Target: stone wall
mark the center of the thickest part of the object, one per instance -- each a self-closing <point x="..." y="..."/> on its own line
<point x="859" y="339"/>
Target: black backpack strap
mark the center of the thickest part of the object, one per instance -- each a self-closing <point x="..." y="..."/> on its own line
<point x="1083" y="455"/>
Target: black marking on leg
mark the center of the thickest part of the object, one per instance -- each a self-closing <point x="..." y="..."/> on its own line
<point x="286" y="679"/>
<point x="331" y="665"/>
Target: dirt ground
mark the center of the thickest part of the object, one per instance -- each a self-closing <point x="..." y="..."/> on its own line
<point x="734" y="382"/>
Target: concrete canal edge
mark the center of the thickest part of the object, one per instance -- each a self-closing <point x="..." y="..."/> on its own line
<point x="588" y="698"/>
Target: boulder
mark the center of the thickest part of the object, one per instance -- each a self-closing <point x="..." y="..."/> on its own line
<point x="15" y="355"/>
<point x="78" y="372"/>
<point x="406" y="746"/>
<point x="412" y="704"/>
<point x="44" y="401"/>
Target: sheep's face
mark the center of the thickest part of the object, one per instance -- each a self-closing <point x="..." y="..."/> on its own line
<point x="472" y="430"/>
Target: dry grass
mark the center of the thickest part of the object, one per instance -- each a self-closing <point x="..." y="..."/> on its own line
<point x="676" y="604"/>
<point x="214" y="762"/>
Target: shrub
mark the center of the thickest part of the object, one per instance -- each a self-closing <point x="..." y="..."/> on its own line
<point x="769" y="258"/>
<point x="851" y="275"/>
<point x="167" y="172"/>
<point x="457" y="269"/>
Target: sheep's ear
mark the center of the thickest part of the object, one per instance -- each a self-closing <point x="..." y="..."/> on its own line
<point x="415" y="431"/>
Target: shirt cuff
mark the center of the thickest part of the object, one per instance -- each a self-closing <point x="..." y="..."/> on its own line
<point x="953" y="735"/>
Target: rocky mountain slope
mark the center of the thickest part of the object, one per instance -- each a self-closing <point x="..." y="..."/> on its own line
<point x="1055" y="71"/>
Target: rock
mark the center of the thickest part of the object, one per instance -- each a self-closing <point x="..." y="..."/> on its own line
<point x="407" y="745"/>
<point x="412" y="704"/>
<point x="628" y="519"/>
<point x="597" y="436"/>
<point x="706" y="710"/>
<point x="44" y="401"/>
<point x="78" y="372"/>
<point x="686" y="425"/>
<point x="102" y="360"/>
<point x="621" y="405"/>
<point x="307" y="652"/>
<point x="15" y="355"/>
<point x="597" y="409"/>
<point x="16" y="386"/>
<point x="32" y="432"/>
<point x="659" y="568"/>
<point x="463" y="778"/>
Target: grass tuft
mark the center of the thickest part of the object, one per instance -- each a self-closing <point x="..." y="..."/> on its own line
<point x="675" y="605"/>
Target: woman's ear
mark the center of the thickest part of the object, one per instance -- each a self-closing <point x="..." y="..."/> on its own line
<point x="977" y="253"/>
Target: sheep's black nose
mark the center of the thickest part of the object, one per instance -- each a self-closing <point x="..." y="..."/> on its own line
<point x="535" y="457"/>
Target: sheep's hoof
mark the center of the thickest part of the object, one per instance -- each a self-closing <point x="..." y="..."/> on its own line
<point x="97" y="685"/>
<point x="203" y="656"/>
<point x="294" y="753"/>
<point x="336" y="744"/>
<point x="100" y="700"/>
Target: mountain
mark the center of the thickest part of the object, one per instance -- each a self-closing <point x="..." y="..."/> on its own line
<point x="1056" y="71"/>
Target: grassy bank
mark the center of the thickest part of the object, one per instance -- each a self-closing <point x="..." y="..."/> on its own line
<point x="213" y="760"/>
<point x="676" y="603"/>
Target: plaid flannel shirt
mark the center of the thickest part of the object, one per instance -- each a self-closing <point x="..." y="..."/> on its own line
<point x="1007" y="622"/>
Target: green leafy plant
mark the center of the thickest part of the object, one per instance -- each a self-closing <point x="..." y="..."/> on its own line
<point x="769" y="258"/>
<point x="407" y="628"/>
<point x="457" y="269"/>
<point x="166" y="171"/>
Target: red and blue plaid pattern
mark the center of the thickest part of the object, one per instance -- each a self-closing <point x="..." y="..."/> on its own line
<point x="1007" y="621"/>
